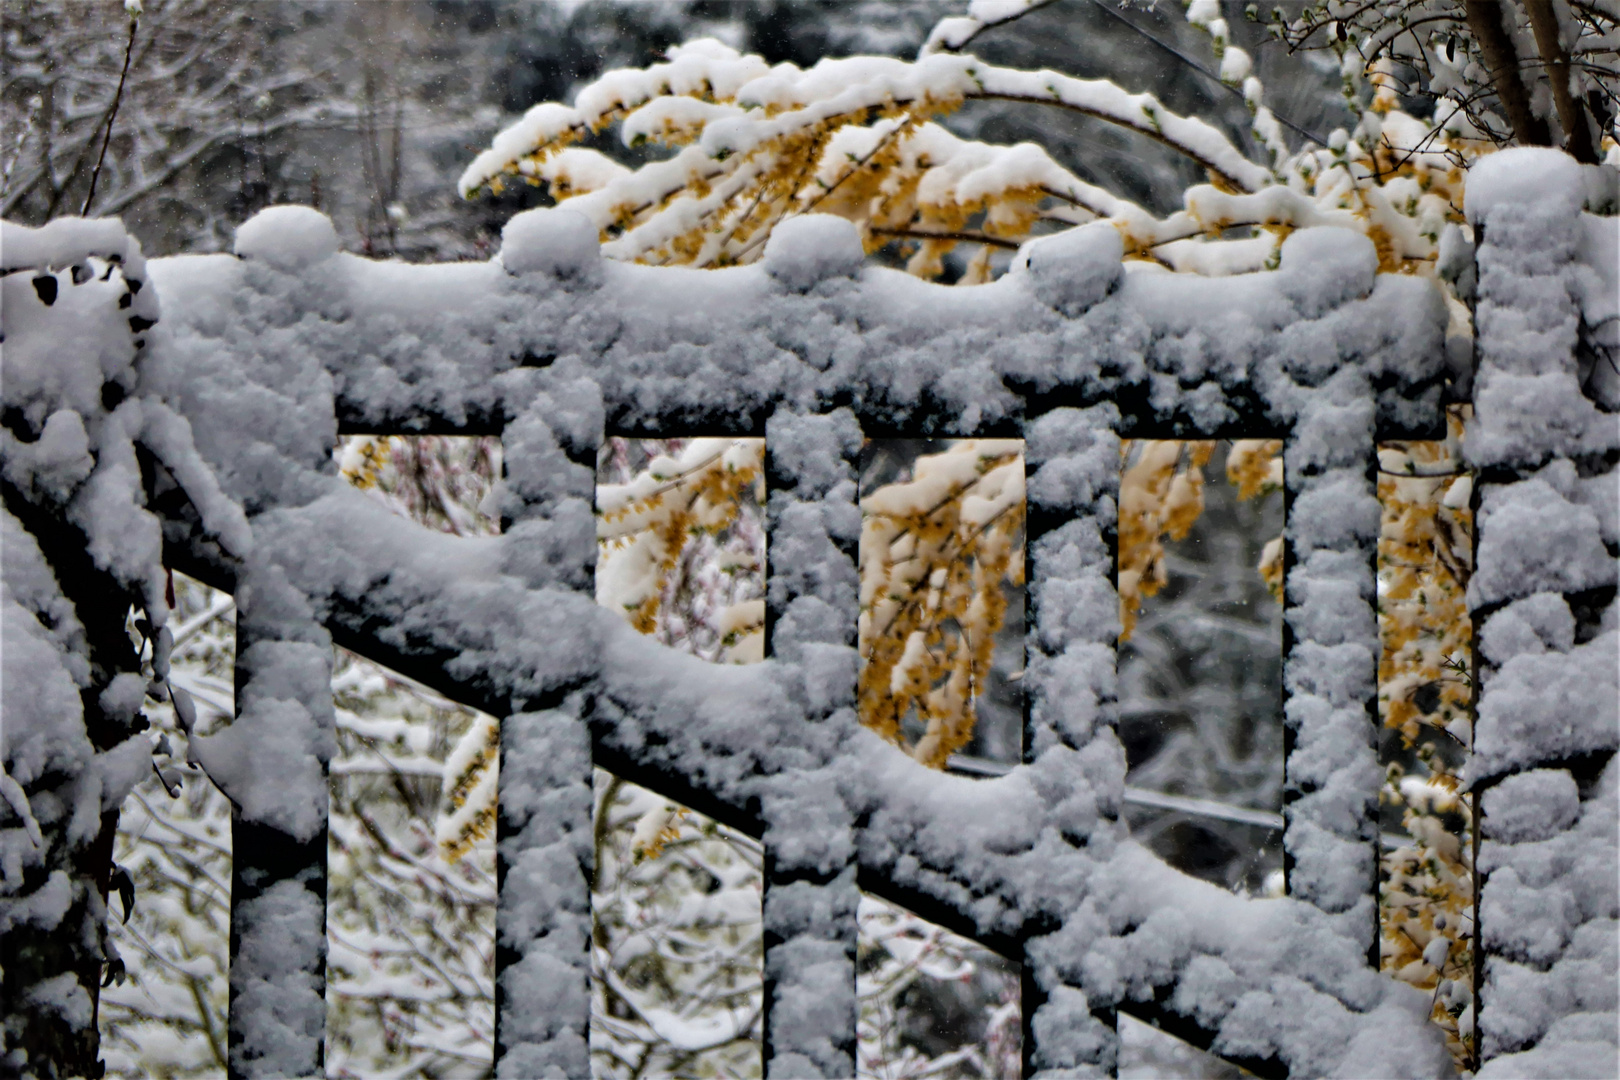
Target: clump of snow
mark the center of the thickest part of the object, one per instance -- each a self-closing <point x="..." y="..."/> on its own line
<point x="1077" y="268"/>
<point x="1548" y="915"/>
<point x="1521" y="177"/>
<point x="1534" y="805"/>
<point x="269" y="759"/>
<point x="62" y="242"/>
<point x="64" y="996"/>
<point x="544" y="913"/>
<point x="1535" y="624"/>
<point x="557" y="242"/>
<point x="807" y="250"/>
<point x="289" y="238"/>
<point x="1534" y="281"/>
<point x="1323" y="268"/>
<point x="278" y="1003"/>
<point x="1533" y="539"/>
<point x="1546" y="707"/>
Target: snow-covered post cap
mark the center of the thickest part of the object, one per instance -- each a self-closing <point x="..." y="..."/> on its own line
<point x="1326" y="266"/>
<point x="1549" y="180"/>
<point x="811" y="248"/>
<point x="287" y="237"/>
<point x="560" y="243"/>
<point x="1077" y="268"/>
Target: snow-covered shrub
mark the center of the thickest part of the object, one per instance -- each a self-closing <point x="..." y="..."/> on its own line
<point x="167" y="1016"/>
<point x="82" y="547"/>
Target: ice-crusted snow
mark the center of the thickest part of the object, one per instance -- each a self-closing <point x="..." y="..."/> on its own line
<point x="265" y="355"/>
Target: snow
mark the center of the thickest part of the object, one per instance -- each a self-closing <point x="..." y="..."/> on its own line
<point x="279" y="1006"/>
<point x="1075" y="269"/>
<point x="560" y="243"/>
<point x="543" y="999"/>
<point x="78" y="310"/>
<point x="289" y="238"/>
<point x="741" y="112"/>
<point x="811" y="248"/>
<point x="1537" y="279"/>
<point x="1535" y="624"/>
<point x="1546" y="707"/>
<point x="260" y="356"/>
<point x="1032" y="841"/>
<point x="1534" y="539"/>
<point x="44" y="725"/>
<point x="1529" y="177"/>
<point x="1546" y="535"/>
<point x="63" y="242"/>
<point x="64" y="996"/>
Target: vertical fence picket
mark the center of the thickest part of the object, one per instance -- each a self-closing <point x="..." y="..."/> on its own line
<point x="810" y="852"/>
<point x="1072" y="459"/>
<point x="1330" y="660"/>
<point x="281" y="742"/>
<point x="1544" y="442"/>
<point x="543" y="847"/>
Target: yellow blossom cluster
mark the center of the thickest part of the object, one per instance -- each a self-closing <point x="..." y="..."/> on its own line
<point x="468" y="795"/>
<point x="646" y="526"/>
<point x="1425" y="689"/>
<point x="1161" y="494"/>
<point x="935" y="550"/>
<point x="1426" y="896"/>
<point x="1425" y="548"/>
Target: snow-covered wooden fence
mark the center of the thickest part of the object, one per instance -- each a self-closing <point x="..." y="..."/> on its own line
<point x="205" y="441"/>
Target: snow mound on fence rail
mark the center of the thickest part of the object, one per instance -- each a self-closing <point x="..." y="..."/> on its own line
<point x="287" y="237"/>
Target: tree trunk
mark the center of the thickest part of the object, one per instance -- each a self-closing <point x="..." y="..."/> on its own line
<point x="1571" y="115"/>
<point x="1485" y="20"/>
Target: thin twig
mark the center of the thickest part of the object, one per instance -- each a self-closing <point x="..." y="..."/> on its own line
<point x="961" y="237"/>
<point x="1303" y="133"/>
<point x="112" y="115"/>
